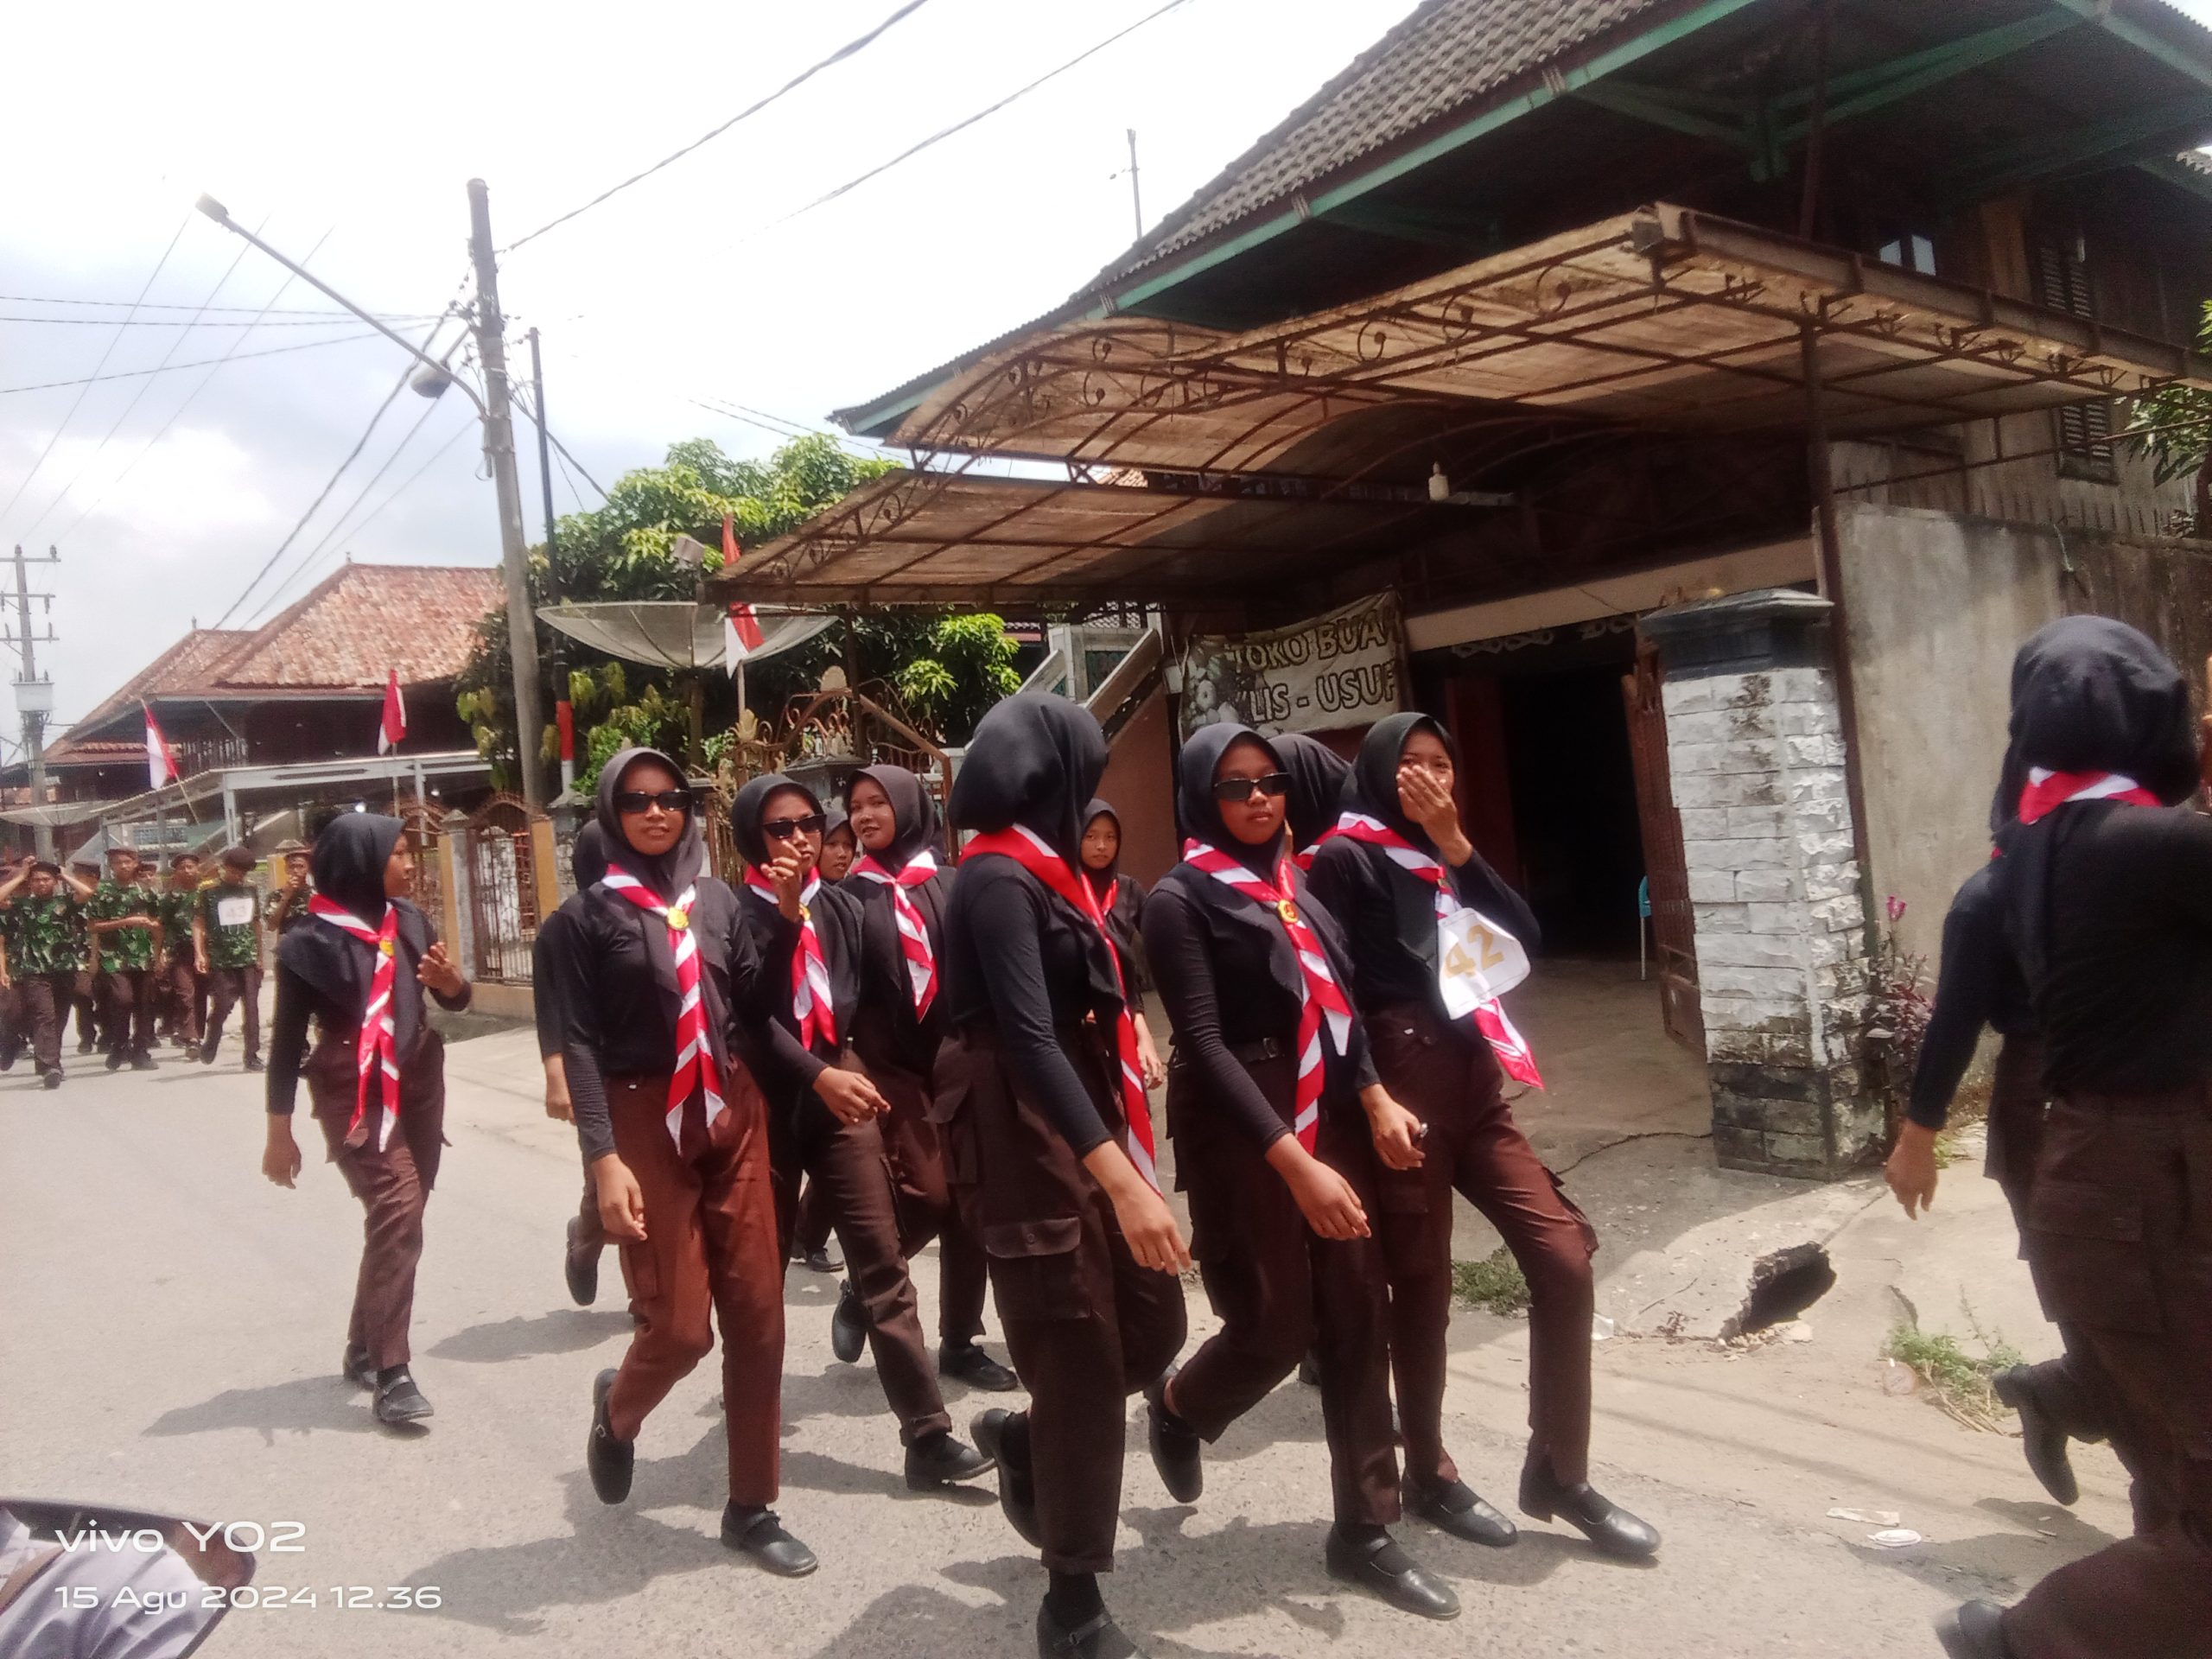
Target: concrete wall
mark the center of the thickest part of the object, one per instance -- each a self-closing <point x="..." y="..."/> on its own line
<point x="1935" y="606"/>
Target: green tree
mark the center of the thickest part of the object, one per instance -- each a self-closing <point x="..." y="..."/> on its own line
<point x="2179" y="436"/>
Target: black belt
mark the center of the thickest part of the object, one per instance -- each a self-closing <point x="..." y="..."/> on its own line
<point x="1267" y="1048"/>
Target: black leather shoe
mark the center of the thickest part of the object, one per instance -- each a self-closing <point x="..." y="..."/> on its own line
<point x="1611" y="1529"/>
<point x="849" y="1324"/>
<point x="400" y="1402"/>
<point x="1974" y="1631"/>
<point x="580" y="1266"/>
<point x="1097" y="1638"/>
<point x="609" y="1460"/>
<point x="1017" y="1483"/>
<point x="2040" y="1437"/>
<point x="940" y="1460"/>
<point x="204" y="1053"/>
<point x="115" y="1059"/>
<point x="970" y="1364"/>
<point x="1379" y="1567"/>
<point x="1177" y="1451"/>
<point x="253" y="1063"/>
<point x="53" y="1079"/>
<point x="1458" y="1509"/>
<point x="822" y="1261"/>
<point x="760" y="1534"/>
<point x="359" y="1372"/>
<point x="1309" y="1370"/>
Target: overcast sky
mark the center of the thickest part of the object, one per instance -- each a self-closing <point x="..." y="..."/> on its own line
<point x="360" y="126"/>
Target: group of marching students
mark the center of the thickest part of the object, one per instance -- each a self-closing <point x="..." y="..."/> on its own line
<point x="963" y="1058"/>
<point x="138" y="959"/>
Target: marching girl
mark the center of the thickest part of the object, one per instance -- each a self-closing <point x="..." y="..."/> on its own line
<point x="676" y="1135"/>
<point x="807" y="936"/>
<point x="898" y="1022"/>
<point x="358" y="968"/>
<point x="1271" y="1070"/>
<point x="1401" y="877"/>
<point x="1121" y="897"/>
<point x="1050" y="1140"/>
<point x="1318" y="774"/>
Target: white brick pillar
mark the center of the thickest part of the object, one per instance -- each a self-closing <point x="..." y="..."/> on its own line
<point x="1755" y="748"/>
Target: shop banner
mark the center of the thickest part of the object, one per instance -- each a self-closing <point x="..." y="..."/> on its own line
<point x="1336" y="671"/>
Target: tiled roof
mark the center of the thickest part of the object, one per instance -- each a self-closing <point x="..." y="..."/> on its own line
<point x="366" y="619"/>
<point x="1447" y="54"/>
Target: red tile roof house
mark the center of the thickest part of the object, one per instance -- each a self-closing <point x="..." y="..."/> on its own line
<point x="304" y="687"/>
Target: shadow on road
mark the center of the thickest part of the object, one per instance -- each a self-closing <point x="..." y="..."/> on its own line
<point x="299" y="1406"/>
<point x="2004" y="1562"/>
<point x="564" y="1331"/>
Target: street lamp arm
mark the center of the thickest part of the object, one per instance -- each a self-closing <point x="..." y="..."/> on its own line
<point x="221" y="215"/>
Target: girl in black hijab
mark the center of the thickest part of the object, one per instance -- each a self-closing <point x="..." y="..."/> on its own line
<point x="1122" y="896"/>
<point x="898" y="1024"/>
<point x="1049" y="1137"/>
<point x="586" y="1237"/>
<point x="1397" y="870"/>
<point x="828" y="1111"/>
<point x="363" y="958"/>
<point x="1277" y="1158"/>
<point x="1317" y="776"/>
<point x="675" y="1132"/>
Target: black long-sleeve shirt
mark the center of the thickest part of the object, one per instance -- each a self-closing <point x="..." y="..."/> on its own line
<point x="1020" y="961"/>
<point x="299" y="1003"/>
<point x="886" y="1031"/>
<point x="2124" y="1001"/>
<point x="544" y="986"/>
<point x="1977" y="982"/>
<point x="1230" y="979"/>
<point x="784" y="1067"/>
<point x="1378" y="906"/>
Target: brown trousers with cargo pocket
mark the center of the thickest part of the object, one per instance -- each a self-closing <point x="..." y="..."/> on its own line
<point x="2119" y="1240"/>
<point x="926" y="1211"/>
<point x="1085" y="1327"/>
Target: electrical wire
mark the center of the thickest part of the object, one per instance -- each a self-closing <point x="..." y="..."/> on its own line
<point x="186" y="305"/>
<point x="793" y="85"/>
<point x="189" y="323"/>
<point x="197" y="363"/>
<point x="521" y="391"/>
<point x="79" y="402"/>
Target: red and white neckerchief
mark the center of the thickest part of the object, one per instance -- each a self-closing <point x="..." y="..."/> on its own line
<point x="1511" y="1047"/>
<point x="694" y="1055"/>
<point x="913" y="932"/>
<point x="2048" y="791"/>
<point x="1324" y="999"/>
<point x="812" y="1006"/>
<point x="1035" y="855"/>
<point x="375" y="1055"/>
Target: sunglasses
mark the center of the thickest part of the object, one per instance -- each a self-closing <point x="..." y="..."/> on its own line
<point x="785" y="829"/>
<point x="634" y="801"/>
<point x="1242" y="789"/>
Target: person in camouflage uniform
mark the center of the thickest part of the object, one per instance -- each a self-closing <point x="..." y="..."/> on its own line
<point x="43" y="932"/>
<point x="120" y="917"/>
<point x="286" y="906"/>
<point x="84" y="993"/>
<point x="227" y="949"/>
<point x="184" y="989"/>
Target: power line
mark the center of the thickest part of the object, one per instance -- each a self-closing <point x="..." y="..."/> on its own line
<point x="939" y="137"/>
<point x="79" y="402"/>
<point x="186" y="305"/>
<point x="197" y="363"/>
<point x="522" y="396"/>
<point x="337" y="523"/>
<point x="798" y="80"/>
<point x="189" y="323"/>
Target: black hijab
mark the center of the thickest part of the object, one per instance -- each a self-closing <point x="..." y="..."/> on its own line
<point x="745" y="815"/>
<point x="1103" y="882"/>
<point x="2089" y="694"/>
<point x="911" y="810"/>
<point x="1200" y="813"/>
<point x="1372" y="788"/>
<point x="348" y="865"/>
<point x="1033" y="760"/>
<point x="588" y="856"/>
<point x="664" y="874"/>
<point x="1318" y="775"/>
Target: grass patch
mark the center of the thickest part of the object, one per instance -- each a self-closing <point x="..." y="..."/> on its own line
<point x="1953" y="1379"/>
<point x="1946" y="1149"/>
<point x="1494" y="1282"/>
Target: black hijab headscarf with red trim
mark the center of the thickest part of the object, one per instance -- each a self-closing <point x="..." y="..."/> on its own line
<point x="1034" y="760"/>
<point x="1317" y="776"/>
<point x="1194" y="799"/>
<point x="913" y="813"/>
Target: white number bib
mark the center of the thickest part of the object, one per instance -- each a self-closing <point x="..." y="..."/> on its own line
<point x="1476" y="961"/>
<point x="233" y="913"/>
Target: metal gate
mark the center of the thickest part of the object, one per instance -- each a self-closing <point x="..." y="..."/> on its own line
<point x="1674" y="930"/>
<point x="502" y="890"/>
<point x="425" y="821"/>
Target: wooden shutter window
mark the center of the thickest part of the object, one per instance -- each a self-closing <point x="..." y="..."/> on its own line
<point x="2083" y="430"/>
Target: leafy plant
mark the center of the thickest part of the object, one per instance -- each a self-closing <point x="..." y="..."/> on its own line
<point x="1956" y="1381"/>
<point x="2174" y="428"/>
<point x="1897" y="1020"/>
<point x="1495" y="1282"/>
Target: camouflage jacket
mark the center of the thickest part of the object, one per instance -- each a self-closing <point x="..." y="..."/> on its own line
<point x="234" y="943"/>
<point x="273" y="904"/>
<point x="177" y="909"/>
<point x="45" y="935"/>
<point x="127" y="948"/>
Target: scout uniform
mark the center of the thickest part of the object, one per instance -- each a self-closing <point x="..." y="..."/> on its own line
<point x="285" y="907"/>
<point x="45" y="944"/>
<point x="126" y="971"/>
<point x="185" y="993"/>
<point x="230" y="934"/>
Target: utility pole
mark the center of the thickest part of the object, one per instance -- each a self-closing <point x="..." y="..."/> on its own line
<point x="500" y="454"/>
<point x="34" y="698"/>
<point x="1137" y="197"/>
<point x="563" y="716"/>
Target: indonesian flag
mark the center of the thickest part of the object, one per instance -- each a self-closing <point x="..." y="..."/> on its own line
<point x="161" y="764"/>
<point x="741" y="634"/>
<point x="393" y="727"/>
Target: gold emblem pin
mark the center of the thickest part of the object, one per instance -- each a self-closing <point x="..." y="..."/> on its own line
<point x="806" y="914"/>
<point x="679" y="918"/>
<point x="385" y="945"/>
<point x="1287" y="909"/>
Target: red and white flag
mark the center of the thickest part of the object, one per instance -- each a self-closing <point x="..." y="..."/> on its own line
<point x="741" y="634"/>
<point x="161" y="763"/>
<point x="393" y="727"/>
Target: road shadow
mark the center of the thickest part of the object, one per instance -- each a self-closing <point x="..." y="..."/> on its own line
<point x="2003" y="1562"/>
<point x="302" y="1406"/>
<point x="563" y="1330"/>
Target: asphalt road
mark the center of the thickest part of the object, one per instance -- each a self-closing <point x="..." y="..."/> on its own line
<point x="172" y="1330"/>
